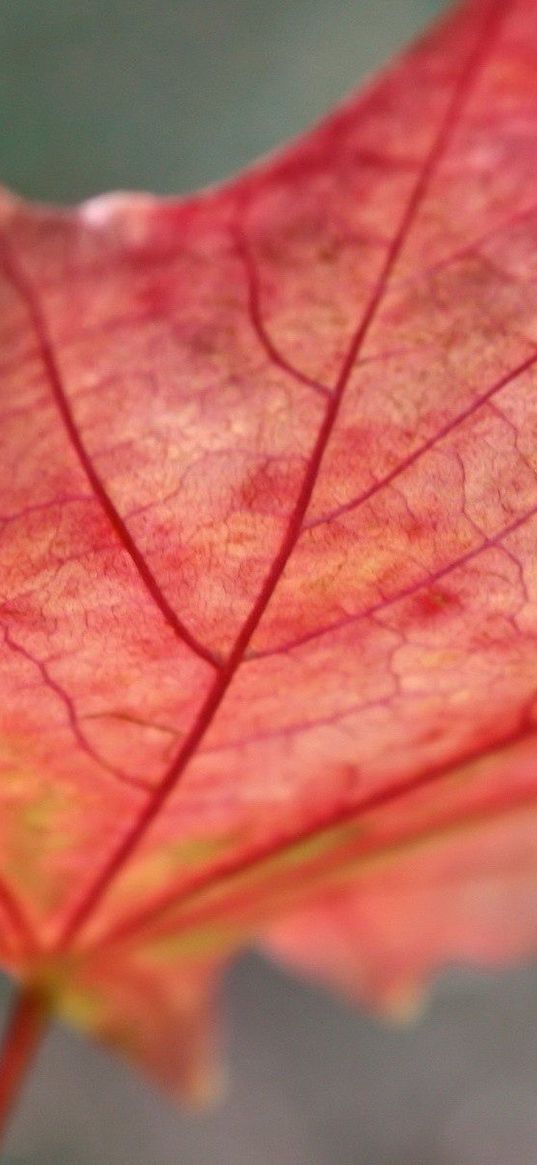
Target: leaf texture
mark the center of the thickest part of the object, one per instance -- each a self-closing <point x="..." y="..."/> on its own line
<point x="268" y="609"/>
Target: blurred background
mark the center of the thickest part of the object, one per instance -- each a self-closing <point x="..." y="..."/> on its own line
<point x="169" y="96"/>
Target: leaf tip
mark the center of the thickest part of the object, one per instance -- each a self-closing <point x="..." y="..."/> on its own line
<point x="403" y="1003"/>
<point x="204" y="1086"/>
<point x="123" y="212"/>
<point x="9" y="203"/>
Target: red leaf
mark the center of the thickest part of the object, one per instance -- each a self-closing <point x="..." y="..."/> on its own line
<point x="269" y="595"/>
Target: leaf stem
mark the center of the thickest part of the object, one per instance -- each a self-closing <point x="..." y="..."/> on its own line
<point x="25" y="1028"/>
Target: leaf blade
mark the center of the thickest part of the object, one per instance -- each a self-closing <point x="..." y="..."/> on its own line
<point x="322" y="646"/>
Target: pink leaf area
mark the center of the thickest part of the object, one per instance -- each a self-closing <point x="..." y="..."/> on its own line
<point x="268" y="590"/>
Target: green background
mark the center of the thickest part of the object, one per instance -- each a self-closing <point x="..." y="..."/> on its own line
<point x="104" y="94"/>
<point x="169" y="96"/>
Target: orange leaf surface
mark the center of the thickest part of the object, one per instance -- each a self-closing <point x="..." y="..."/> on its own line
<point x="268" y="609"/>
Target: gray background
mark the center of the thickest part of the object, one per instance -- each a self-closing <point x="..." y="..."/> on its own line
<point x="164" y="95"/>
<point x="169" y="96"/>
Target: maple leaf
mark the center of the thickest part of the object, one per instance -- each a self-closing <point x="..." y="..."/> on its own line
<point x="268" y="608"/>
